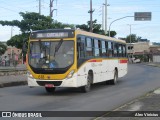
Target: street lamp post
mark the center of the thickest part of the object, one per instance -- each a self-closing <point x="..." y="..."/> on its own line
<point x="130" y="25"/>
<point x="130" y="56"/>
<point x="115" y="21"/>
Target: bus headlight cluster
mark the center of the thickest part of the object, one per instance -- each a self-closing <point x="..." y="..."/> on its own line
<point x="70" y="74"/>
<point x="29" y="74"/>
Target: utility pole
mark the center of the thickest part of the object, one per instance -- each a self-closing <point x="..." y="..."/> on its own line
<point x="11" y="31"/>
<point x="40" y="7"/>
<point x="130" y="26"/>
<point x="106" y="16"/>
<point x="91" y="13"/>
<point x="51" y="8"/>
<point x="103" y="16"/>
<point x="130" y="39"/>
<point x="130" y="32"/>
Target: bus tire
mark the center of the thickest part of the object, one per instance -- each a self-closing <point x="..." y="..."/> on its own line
<point x="50" y="90"/>
<point x="114" y="80"/>
<point x="87" y="87"/>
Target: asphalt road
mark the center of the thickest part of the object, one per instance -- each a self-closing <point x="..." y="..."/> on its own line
<point x="139" y="80"/>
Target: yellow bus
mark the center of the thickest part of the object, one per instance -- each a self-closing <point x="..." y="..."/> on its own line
<point x="74" y="58"/>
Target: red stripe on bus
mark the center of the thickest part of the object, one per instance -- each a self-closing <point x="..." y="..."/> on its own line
<point x="92" y="61"/>
<point x="123" y="61"/>
<point x="95" y="60"/>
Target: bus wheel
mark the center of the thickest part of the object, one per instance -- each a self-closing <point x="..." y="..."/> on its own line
<point x="50" y="90"/>
<point x="87" y="87"/>
<point x="114" y="80"/>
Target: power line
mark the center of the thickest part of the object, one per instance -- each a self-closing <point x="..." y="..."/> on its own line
<point x="8" y="9"/>
<point x="9" y="5"/>
<point x="12" y="10"/>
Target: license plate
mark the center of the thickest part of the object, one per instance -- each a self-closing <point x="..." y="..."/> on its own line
<point x="49" y="85"/>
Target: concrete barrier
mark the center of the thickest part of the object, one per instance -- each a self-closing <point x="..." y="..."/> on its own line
<point x="12" y="72"/>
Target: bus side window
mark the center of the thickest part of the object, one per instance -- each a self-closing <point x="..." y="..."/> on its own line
<point x="112" y="46"/>
<point x="124" y="51"/>
<point x="104" y="52"/>
<point x="107" y="53"/>
<point x="96" y="48"/>
<point x="115" y="49"/>
<point x="120" y="50"/>
<point x="89" y="47"/>
<point x="110" y="49"/>
<point x="100" y="47"/>
<point x="80" y="47"/>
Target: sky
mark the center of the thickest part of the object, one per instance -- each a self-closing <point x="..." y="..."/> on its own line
<point x="76" y="12"/>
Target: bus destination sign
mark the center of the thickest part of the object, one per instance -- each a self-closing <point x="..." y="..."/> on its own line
<point x="52" y="34"/>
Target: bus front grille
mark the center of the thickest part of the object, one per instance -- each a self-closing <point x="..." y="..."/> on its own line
<point x="55" y="83"/>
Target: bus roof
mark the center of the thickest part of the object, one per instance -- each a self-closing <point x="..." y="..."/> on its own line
<point x="98" y="36"/>
<point x="34" y="34"/>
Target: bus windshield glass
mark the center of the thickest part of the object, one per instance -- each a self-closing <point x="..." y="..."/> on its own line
<point x="51" y="54"/>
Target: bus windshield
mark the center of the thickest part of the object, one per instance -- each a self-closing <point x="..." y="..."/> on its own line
<point x="51" y="54"/>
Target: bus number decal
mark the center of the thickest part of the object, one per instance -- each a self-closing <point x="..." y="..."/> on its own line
<point x="40" y="76"/>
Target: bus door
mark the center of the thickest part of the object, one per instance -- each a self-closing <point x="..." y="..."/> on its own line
<point x="82" y="74"/>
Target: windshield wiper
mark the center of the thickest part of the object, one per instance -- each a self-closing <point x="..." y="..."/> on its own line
<point x="58" y="46"/>
<point x="42" y="48"/>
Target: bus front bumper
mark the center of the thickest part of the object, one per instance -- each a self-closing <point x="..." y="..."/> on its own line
<point x="56" y="83"/>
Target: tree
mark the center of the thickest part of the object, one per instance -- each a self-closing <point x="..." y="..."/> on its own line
<point x="112" y="33"/>
<point x="96" y="28"/>
<point x="83" y="27"/>
<point x="3" y="48"/>
<point x="17" y="40"/>
<point x="132" y="38"/>
<point x="31" y="21"/>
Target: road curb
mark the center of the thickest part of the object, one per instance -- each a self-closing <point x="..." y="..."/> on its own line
<point x="10" y="84"/>
<point x="147" y="102"/>
<point x="153" y="65"/>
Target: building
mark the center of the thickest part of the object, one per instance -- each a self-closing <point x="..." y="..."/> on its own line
<point x="155" y="53"/>
<point x="143" y="40"/>
<point x="139" y="50"/>
<point x="145" y="51"/>
<point x="155" y="43"/>
<point x="11" y="55"/>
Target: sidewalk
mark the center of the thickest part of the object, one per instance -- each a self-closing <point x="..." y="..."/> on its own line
<point x="146" y="107"/>
<point x="153" y="64"/>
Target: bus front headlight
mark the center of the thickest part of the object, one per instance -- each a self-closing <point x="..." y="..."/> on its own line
<point x="29" y="74"/>
<point x="70" y="74"/>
